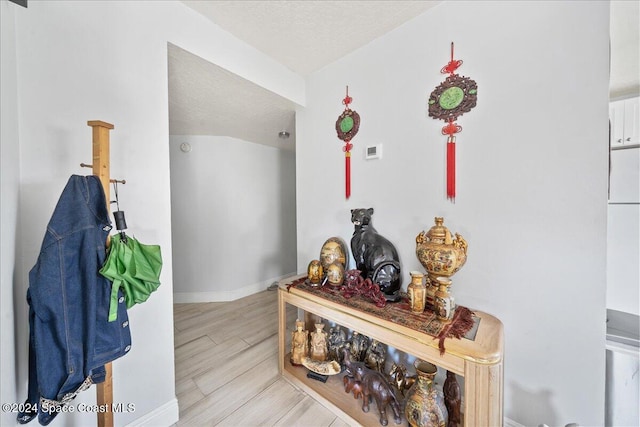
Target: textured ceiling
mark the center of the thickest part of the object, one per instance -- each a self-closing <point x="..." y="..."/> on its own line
<point x="205" y="99"/>
<point x="307" y="35"/>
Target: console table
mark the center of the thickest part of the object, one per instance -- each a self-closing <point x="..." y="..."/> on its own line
<point x="479" y="360"/>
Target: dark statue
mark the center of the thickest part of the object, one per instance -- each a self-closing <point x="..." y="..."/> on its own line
<point x="375" y="256"/>
<point x="376" y="356"/>
<point x="358" y="346"/>
<point x="452" y="399"/>
<point x="337" y="340"/>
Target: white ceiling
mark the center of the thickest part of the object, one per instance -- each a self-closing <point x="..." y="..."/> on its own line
<point x="205" y="99"/>
<point x="305" y="36"/>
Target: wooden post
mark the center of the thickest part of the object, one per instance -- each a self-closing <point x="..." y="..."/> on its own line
<point x="101" y="170"/>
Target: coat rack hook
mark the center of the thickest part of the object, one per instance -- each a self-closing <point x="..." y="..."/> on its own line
<point x="84" y="165"/>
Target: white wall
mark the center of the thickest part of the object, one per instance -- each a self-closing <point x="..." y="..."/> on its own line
<point x="80" y="61"/>
<point x="532" y="179"/>
<point x="9" y="180"/>
<point x="233" y="206"/>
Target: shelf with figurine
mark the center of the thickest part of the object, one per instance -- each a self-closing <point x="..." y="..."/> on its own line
<point x="374" y="377"/>
<point x="424" y="324"/>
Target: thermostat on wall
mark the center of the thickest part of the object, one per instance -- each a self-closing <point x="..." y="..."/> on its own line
<point x="373" y="152"/>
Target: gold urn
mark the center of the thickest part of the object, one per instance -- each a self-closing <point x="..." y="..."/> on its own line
<point x="439" y="254"/>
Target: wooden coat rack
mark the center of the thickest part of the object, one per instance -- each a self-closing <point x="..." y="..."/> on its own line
<point x="100" y="168"/>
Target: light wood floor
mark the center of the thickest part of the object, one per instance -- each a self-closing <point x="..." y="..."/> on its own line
<point x="227" y="368"/>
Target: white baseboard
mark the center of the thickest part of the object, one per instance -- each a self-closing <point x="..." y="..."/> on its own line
<point x="510" y="423"/>
<point x="220" y="296"/>
<point x="165" y="415"/>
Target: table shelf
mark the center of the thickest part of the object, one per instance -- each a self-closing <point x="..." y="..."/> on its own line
<point x="479" y="360"/>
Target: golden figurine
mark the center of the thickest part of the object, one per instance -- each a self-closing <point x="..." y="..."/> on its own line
<point x="400" y="379"/>
<point x="315" y="273"/>
<point x="319" y="350"/>
<point x="299" y="344"/>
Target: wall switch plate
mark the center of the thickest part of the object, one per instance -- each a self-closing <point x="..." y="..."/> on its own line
<point x="373" y="152"/>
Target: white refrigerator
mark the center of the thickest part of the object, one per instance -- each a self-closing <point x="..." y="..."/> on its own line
<point x="622" y="391"/>
<point x="623" y="231"/>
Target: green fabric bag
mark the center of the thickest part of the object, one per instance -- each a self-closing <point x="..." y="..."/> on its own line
<point x="133" y="266"/>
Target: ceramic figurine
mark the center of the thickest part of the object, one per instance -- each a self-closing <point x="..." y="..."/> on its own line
<point x="359" y="345"/>
<point x="319" y="349"/>
<point x="375" y="356"/>
<point x="315" y="273"/>
<point x="299" y="344"/>
<point x="400" y="378"/>
<point x="375" y="256"/>
<point x="337" y="340"/>
<point x="375" y="385"/>
<point x="452" y="399"/>
<point x="352" y="385"/>
<point x="349" y="363"/>
<point x="372" y="384"/>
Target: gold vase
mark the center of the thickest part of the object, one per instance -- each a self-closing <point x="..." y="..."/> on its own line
<point x="417" y="292"/>
<point x="439" y="253"/>
<point x="425" y="406"/>
<point x="444" y="305"/>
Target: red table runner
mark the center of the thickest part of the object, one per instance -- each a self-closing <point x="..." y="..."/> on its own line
<point x="399" y="312"/>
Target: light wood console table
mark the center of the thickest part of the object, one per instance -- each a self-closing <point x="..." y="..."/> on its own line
<point x="478" y="361"/>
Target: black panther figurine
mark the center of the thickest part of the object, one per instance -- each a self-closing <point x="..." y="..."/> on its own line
<point x="375" y="256"/>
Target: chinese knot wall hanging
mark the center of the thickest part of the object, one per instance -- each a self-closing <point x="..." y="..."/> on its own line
<point x="448" y="101"/>
<point x="347" y="127"/>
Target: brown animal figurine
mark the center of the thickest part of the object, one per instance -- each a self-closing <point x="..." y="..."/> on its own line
<point x="348" y="362"/>
<point x="400" y="379"/>
<point x="375" y="385"/>
<point x="351" y="384"/>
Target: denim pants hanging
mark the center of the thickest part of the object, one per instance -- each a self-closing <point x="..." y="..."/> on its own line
<point x="70" y="337"/>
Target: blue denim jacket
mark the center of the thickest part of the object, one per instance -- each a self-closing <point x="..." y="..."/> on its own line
<point x="70" y="337"/>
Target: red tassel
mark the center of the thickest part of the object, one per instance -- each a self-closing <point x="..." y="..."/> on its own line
<point x="347" y="171"/>
<point x="347" y="167"/>
<point x="451" y="171"/>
